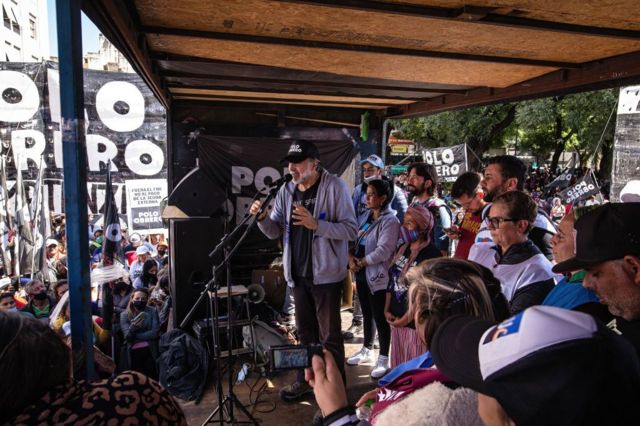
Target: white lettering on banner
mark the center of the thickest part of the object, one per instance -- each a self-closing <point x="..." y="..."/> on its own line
<point x="20" y="98"/>
<point x="139" y="151"/>
<point x="259" y="181"/>
<point x="446" y="157"/>
<point x="579" y="190"/>
<point x="96" y="156"/>
<point x="28" y="145"/>
<point x="629" y="102"/>
<point x="120" y="106"/>
<point x="244" y="176"/>
<point x="57" y="148"/>
<point x="240" y="176"/>
<point x="53" y="81"/>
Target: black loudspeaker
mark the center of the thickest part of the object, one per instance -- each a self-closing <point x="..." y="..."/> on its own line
<point x="191" y="242"/>
<point x="196" y="195"/>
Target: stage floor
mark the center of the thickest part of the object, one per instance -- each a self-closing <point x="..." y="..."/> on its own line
<point x="280" y="413"/>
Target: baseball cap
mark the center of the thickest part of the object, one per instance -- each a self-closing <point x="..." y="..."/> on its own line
<point x="604" y="233"/>
<point x="51" y="242"/>
<point x="143" y="249"/>
<point x="545" y="365"/>
<point x="374" y="160"/>
<point x="135" y="239"/>
<point x="300" y="150"/>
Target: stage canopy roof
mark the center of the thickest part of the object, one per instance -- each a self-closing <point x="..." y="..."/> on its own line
<point x="399" y="58"/>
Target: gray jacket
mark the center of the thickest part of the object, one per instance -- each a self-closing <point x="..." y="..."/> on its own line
<point x="336" y="227"/>
<point x="379" y="248"/>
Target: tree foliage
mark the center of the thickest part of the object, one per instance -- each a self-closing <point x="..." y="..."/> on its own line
<point x="542" y="128"/>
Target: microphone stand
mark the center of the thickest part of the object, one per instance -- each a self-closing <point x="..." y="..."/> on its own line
<point x="229" y="249"/>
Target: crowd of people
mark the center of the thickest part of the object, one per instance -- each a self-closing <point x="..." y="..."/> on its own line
<point x="488" y="305"/>
<point x="481" y="303"/>
<point x="129" y="312"/>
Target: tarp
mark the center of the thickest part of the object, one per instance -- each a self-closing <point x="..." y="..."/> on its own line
<point x="124" y="124"/>
<point x="243" y="166"/>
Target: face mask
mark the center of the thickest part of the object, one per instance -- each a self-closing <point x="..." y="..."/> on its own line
<point x="370" y="178"/>
<point x="99" y="240"/>
<point x="408" y="235"/>
<point x="120" y="286"/>
<point x="14" y="309"/>
<point x="161" y="252"/>
<point x="41" y="296"/>
<point x="139" y="304"/>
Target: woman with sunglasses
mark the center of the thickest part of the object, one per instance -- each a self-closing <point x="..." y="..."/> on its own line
<point x="525" y="273"/>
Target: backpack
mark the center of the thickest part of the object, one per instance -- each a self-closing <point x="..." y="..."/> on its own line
<point x="182" y="365"/>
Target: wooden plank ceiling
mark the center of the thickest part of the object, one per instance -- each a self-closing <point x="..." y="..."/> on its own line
<point x="399" y="57"/>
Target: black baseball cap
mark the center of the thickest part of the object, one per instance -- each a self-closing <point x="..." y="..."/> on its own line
<point x="300" y="150"/>
<point x="545" y="365"/>
<point x="606" y="233"/>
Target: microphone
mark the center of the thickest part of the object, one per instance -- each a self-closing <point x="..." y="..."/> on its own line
<point x="284" y="179"/>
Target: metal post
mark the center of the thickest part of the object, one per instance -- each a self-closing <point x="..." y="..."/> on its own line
<point x="74" y="151"/>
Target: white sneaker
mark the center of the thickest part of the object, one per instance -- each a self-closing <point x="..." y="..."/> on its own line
<point x="363" y="355"/>
<point x="381" y="367"/>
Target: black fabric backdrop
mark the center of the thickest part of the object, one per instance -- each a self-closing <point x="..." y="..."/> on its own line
<point x="242" y="166"/>
<point x="235" y="164"/>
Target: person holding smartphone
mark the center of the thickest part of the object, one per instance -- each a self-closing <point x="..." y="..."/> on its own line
<point x="140" y="327"/>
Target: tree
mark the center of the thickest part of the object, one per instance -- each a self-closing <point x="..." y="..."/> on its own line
<point x="542" y="127"/>
<point x="479" y="127"/>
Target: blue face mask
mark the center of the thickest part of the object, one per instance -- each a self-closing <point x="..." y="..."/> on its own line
<point x="408" y="235"/>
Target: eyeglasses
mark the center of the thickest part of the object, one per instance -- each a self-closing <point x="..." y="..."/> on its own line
<point x="494" y="222"/>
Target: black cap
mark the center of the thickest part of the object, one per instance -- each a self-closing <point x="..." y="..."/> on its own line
<point x="606" y="233"/>
<point x="300" y="150"/>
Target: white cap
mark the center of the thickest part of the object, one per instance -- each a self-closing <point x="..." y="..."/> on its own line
<point x="631" y="192"/>
<point x="143" y="249"/>
<point x="51" y="242"/>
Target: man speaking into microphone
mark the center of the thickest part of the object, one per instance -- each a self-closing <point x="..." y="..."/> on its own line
<point x="314" y="215"/>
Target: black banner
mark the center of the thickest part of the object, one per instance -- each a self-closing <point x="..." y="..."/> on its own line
<point x="125" y="124"/>
<point x="562" y="181"/>
<point x="243" y="166"/>
<point x="582" y="190"/>
<point x="450" y="162"/>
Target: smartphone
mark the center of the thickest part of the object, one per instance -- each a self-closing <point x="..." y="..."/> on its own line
<point x="290" y="357"/>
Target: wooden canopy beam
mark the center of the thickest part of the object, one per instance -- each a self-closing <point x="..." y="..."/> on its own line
<point x="283" y="41"/>
<point x="474" y="14"/>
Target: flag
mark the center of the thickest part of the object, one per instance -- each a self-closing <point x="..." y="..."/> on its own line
<point x="582" y="190"/>
<point x="24" y="237"/>
<point x="111" y="247"/>
<point x="562" y="181"/>
<point x="39" y="226"/>
<point x="5" y="221"/>
<point x="43" y="231"/>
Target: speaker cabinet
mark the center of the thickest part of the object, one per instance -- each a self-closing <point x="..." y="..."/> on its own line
<point x="191" y="241"/>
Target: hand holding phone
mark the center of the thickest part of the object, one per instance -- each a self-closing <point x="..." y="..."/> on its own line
<point x="289" y="357"/>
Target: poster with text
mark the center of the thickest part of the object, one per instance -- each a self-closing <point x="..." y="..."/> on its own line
<point x="450" y="161"/>
<point x="143" y="200"/>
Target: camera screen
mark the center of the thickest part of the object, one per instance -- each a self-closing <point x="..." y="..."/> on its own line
<point x="291" y="358"/>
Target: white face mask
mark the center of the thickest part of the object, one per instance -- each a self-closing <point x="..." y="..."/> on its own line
<point x="370" y="178"/>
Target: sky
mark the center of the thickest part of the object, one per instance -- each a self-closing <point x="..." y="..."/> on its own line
<point x="89" y="32"/>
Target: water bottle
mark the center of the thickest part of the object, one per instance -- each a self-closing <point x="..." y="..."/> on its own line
<point x="242" y="374"/>
<point x="364" y="412"/>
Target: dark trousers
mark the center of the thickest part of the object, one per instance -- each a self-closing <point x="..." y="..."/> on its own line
<point x="318" y="318"/>
<point x="373" y="315"/>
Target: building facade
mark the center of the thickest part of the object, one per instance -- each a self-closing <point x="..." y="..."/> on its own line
<point x="24" y="33"/>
